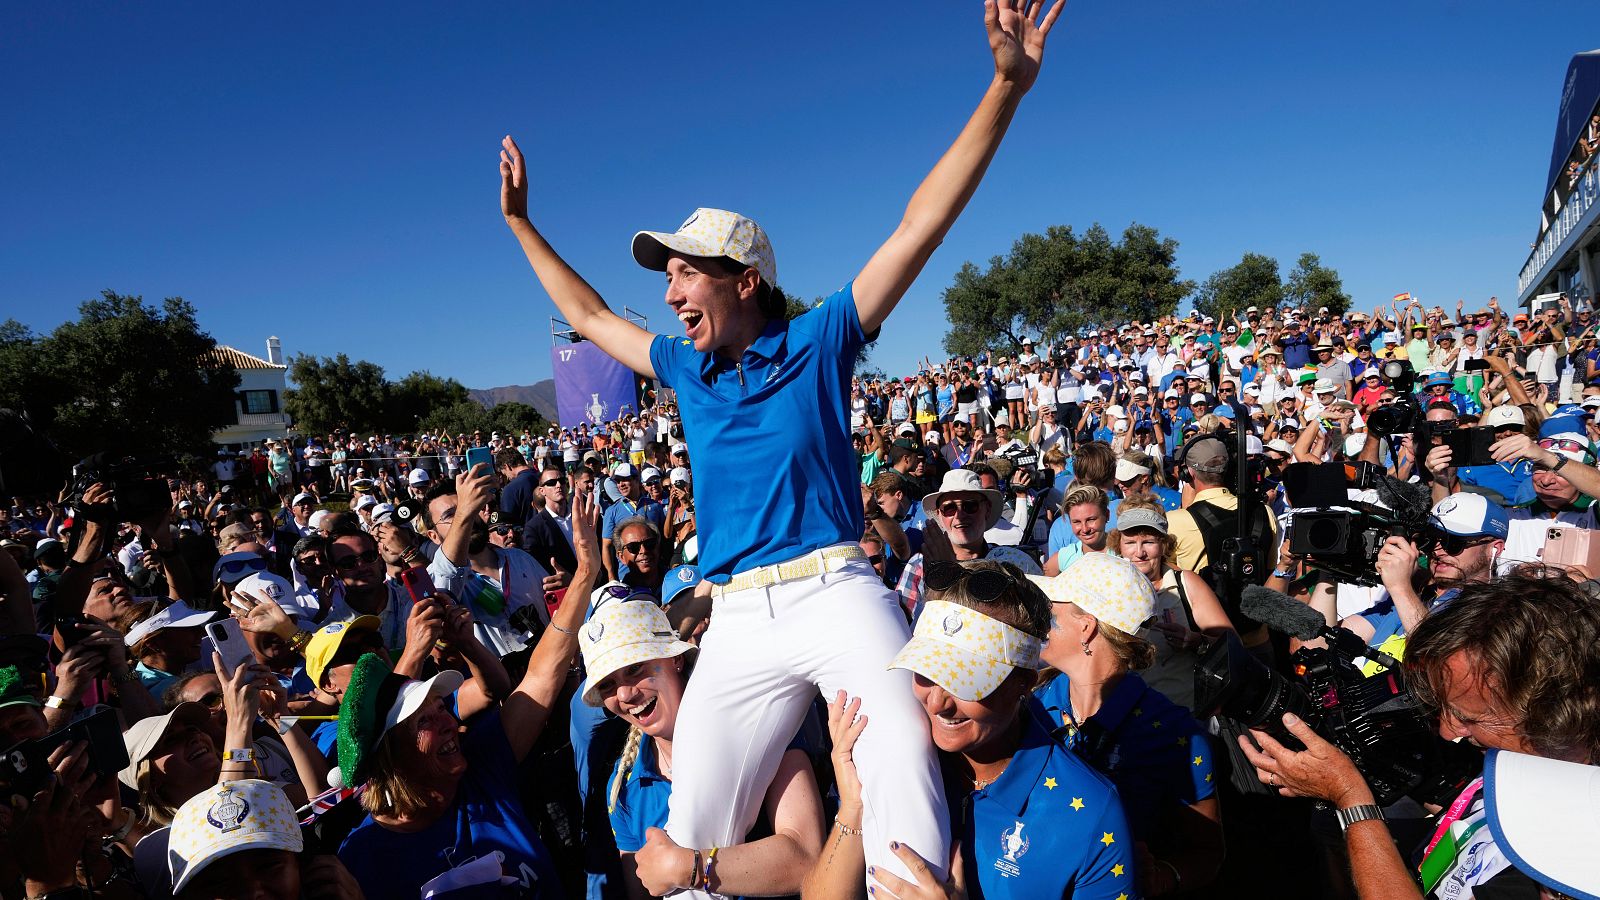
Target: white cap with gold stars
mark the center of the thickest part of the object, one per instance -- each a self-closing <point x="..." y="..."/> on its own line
<point x="619" y="635"/>
<point x="710" y="233"/>
<point x="1105" y="586"/>
<point x="226" y="818"/>
<point x="964" y="651"/>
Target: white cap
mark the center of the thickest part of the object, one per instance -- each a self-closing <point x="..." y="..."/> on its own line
<point x="1197" y="398"/>
<point x="1128" y="470"/>
<point x="418" y="476"/>
<point x="1252" y="445"/>
<point x="365" y="501"/>
<point x="1324" y="386"/>
<point x="382" y="513"/>
<point x="1543" y="815"/>
<point x="1280" y="445"/>
<point x="1171" y="394"/>
<point x="1353" y="444"/>
<point x="302" y="497"/>
<point x="679" y="475"/>
<point x="623" y="470"/>
<point x="681" y="448"/>
<point x="906" y="428"/>
<point x="1141" y="391"/>
<point x="316" y="519"/>
<point x="1116" y="412"/>
<point x="710" y="233"/>
<point x="1510" y="415"/>
<point x="178" y="615"/>
<point x="650" y="473"/>
<point x="271" y="586"/>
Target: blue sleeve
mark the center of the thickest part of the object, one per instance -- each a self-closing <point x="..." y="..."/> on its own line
<point x="625" y="824"/>
<point x="1202" y="781"/>
<point x="1061" y="535"/>
<point x="1107" y="871"/>
<point x="834" y="322"/>
<point x="668" y="356"/>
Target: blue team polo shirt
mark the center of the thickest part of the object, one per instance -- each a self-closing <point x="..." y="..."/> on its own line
<point x="1151" y="748"/>
<point x="1049" y="826"/>
<point x="627" y="509"/>
<point x="486" y="816"/>
<point x="775" y="428"/>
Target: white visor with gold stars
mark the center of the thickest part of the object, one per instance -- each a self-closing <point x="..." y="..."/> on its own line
<point x="964" y="651"/>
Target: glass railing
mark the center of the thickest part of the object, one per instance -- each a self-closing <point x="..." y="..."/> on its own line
<point x="1571" y="214"/>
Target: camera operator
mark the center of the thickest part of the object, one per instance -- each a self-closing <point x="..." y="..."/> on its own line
<point x="1507" y="666"/>
<point x="1209" y="517"/>
<point x="1469" y="536"/>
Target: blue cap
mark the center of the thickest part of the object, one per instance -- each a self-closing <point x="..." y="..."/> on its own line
<point x="1470" y="515"/>
<point x="1439" y="378"/>
<point x="1224" y="411"/>
<point x="1564" y="420"/>
<point x="678" y="580"/>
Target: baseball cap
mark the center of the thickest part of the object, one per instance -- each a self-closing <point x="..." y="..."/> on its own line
<point x="619" y="635"/>
<point x="302" y="497"/>
<point x="650" y="473"/>
<point x="1438" y="378"/>
<point x="1280" y="445"/>
<point x="382" y="513"/>
<point x="1129" y="519"/>
<point x="1543" y="815"/>
<point x="418" y="476"/>
<point x="178" y="615"/>
<point x="228" y="818"/>
<point x="325" y="643"/>
<point x="710" y="233"/>
<point x="1197" y="398"/>
<point x="684" y="448"/>
<point x="365" y="501"/>
<point x="906" y="428"/>
<point x="964" y="651"/>
<point x="271" y="586"/>
<point x="232" y="567"/>
<point x="1105" y="586"/>
<point x="1207" y="455"/>
<point x="142" y="736"/>
<point x="678" y="580"/>
<point x="623" y="470"/>
<point x="1469" y="515"/>
<point x="679" y="475"/>
<point x="1508" y="415"/>
<point x="1224" y="412"/>
<point x="1171" y="394"/>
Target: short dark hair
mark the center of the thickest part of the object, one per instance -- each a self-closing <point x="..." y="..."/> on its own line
<point x="445" y="488"/>
<point x="509" y="458"/>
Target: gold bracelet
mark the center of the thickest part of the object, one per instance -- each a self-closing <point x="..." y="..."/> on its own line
<point x="846" y="829"/>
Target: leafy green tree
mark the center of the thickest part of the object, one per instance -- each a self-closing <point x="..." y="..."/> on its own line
<point x="124" y="376"/>
<point x="1313" y="286"/>
<point x="1253" y="281"/>
<point x="333" y="392"/>
<point x="413" y="397"/>
<point x="1059" y="282"/>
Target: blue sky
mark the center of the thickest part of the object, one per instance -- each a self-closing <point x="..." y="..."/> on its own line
<point x="328" y="173"/>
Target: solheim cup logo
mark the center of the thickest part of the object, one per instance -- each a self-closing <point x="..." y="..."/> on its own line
<point x="596" y="410"/>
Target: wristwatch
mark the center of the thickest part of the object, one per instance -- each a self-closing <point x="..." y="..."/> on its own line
<point x="60" y="703"/>
<point x="1353" y="814"/>
<point x="247" y="755"/>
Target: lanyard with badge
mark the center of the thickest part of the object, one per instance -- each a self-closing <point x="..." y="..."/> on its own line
<point x="488" y="598"/>
<point x="1450" y="838"/>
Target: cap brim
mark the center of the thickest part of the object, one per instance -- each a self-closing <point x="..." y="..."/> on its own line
<point x="962" y="673"/>
<point x="1544" y="814"/>
<point x="652" y="249"/>
<point x="416" y="693"/>
<point x="144" y="740"/>
<point x="260" y="840"/>
<point x="626" y="655"/>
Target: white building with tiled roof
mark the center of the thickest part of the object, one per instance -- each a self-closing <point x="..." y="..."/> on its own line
<point x="258" y="405"/>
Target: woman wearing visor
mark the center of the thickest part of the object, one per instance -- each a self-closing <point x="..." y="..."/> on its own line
<point x="1152" y="749"/>
<point x="638" y="670"/>
<point x="1032" y="819"/>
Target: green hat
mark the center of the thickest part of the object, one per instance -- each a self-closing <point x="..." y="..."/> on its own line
<point x="375" y="701"/>
<point x="372" y="689"/>
<point x="14" y="689"/>
<point x="1307" y="378"/>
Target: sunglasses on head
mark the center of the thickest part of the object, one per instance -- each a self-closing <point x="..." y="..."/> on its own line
<point x="967" y="505"/>
<point x="621" y="593"/>
<point x="364" y="558"/>
<point x="983" y="585"/>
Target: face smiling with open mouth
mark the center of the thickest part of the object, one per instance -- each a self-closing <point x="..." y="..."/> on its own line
<point x="646" y="695"/>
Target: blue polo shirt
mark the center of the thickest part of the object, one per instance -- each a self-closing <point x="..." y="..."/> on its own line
<point x="627" y="509"/>
<point x="1049" y="826"/>
<point x="1151" y="748"/>
<point x="775" y="428"/>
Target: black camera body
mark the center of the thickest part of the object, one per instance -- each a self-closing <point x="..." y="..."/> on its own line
<point x="1403" y="416"/>
<point x="1373" y="719"/>
<point x="1344" y="536"/>
<point x="138" y="486"/>
<point x="1468" y="446"/>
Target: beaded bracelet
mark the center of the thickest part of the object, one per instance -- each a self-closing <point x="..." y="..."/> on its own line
<point x="711" y="865"/>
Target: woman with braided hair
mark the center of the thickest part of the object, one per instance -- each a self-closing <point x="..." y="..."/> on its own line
<point x="638" y="670"/>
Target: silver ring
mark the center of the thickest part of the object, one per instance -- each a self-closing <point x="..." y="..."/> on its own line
<point x="1272" y="778"/>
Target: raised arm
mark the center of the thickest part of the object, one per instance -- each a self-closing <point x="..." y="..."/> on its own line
<point x="582" y="307"/>
<point x="1017" y="30"/>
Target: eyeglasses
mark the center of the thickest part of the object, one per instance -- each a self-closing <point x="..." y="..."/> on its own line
<point x="502" y="529"/>
<point x="1455" y="545"/>
<point x="983" y="585"/>
<point x="967" y="505"/>
<point x="242" y="566"/>
<point x="310" y="559"/>
<point x="635" y="547"/>
<point x="212" y="700"/>
<point x="875" y="558"/>
<point x="554" y="482"/>
<point x="364" y="558"/>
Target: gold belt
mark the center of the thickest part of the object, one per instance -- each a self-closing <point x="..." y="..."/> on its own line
<point x="830" y="559"/>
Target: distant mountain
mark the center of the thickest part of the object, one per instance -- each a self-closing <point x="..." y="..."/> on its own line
<point x="541" y="396"/>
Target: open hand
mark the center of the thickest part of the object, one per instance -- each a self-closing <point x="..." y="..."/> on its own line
<point x="1016" y="37"/>
<point x="927" y="885"/>
<point x="513" y="180"/>
<point x="1321" y="770"/>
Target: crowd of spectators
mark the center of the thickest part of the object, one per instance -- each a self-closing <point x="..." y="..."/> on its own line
<point x="354" y="665"/>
